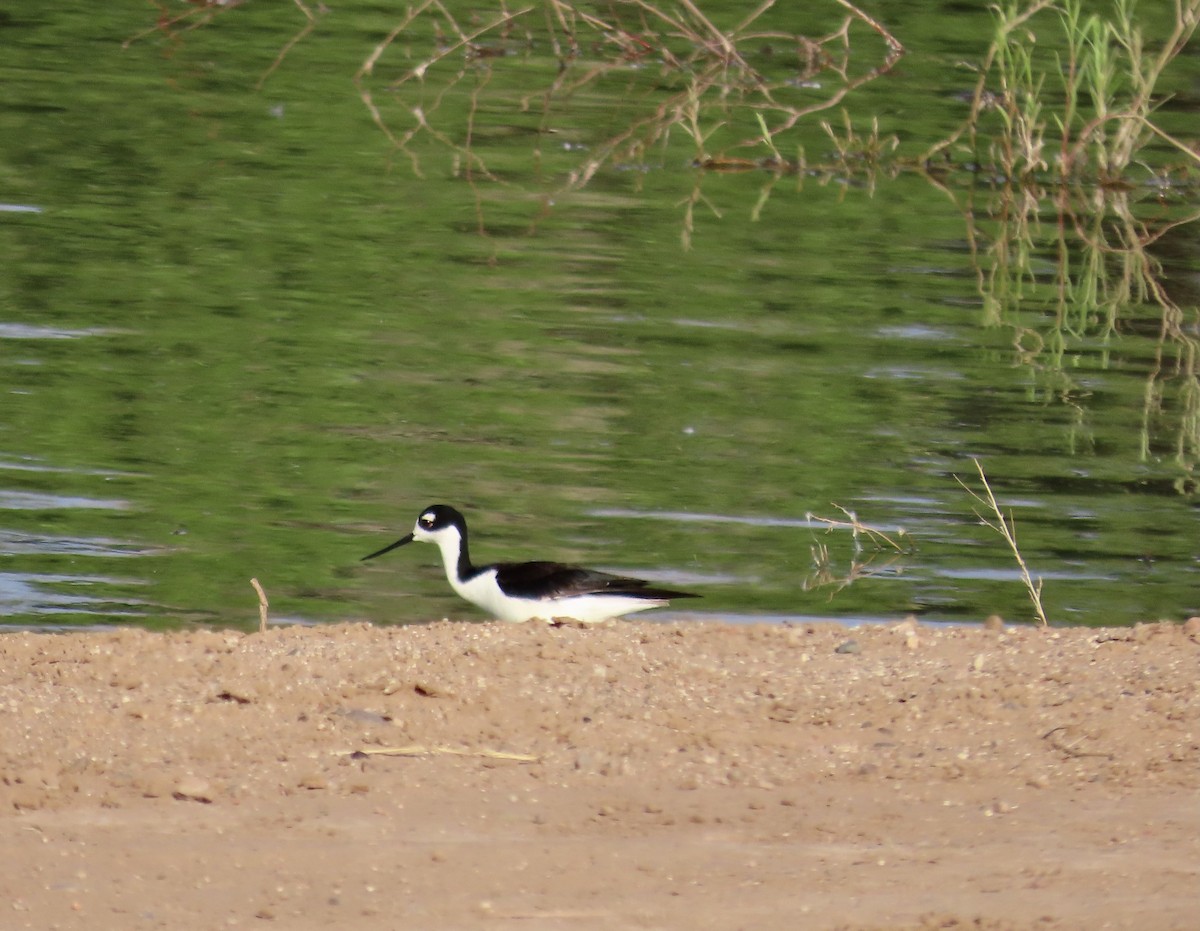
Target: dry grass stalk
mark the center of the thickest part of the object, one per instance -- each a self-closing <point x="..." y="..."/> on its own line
<point x="856" y="527"/>
<point x="1007" y="528"/>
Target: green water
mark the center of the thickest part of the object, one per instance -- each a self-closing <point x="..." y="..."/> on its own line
<point x="242" y="336"/>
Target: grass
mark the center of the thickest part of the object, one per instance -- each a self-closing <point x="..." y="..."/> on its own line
<point x="1007" y="528"/>
<point x="1086" y="119"/>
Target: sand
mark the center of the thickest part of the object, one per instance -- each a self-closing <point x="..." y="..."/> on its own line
<point x="637" y="775"/>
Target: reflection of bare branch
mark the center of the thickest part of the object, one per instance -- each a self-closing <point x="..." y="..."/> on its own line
<point x="420" y="114"/>
<point x="368" y="67"/>
<point x="717" y="77"/>
<point x="824" y="574"/>
<point x="793" y="115"/>
<point x="711" y="82"/>
<point x="203" y="14"/>
<point x="312" y="23"/>
<point x="464" y="41"/>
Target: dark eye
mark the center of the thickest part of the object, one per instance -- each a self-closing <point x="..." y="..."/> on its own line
<point x="426" y="521"/>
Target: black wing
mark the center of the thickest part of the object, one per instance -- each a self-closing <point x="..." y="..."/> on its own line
<point x="554" y="580"/>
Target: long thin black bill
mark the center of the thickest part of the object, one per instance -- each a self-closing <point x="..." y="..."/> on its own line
<point x="388" y="549"/>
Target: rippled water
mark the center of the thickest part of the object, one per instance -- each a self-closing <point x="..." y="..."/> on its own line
<point x="240" y="337"/>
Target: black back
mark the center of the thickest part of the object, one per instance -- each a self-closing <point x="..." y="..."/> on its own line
<point x="555" y="580"/>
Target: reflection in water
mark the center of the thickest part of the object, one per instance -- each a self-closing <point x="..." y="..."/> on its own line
<point x="1066" y="292"/>
<point x="28" y="545"/>
<point x="29" y="595"/>
<point x="38" y="501"/>
<point x="260" y="330"/>
<point x="26" y="331"/>
<point x="684" y="517"/>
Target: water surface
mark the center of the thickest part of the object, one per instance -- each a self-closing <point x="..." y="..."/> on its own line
<point x="242" y="336"/>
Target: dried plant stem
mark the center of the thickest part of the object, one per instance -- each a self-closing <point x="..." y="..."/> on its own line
<point x="855" y="526"/>
<point x="1007" y="528"/>
<point x="425" y="750"/>
<point x="263" y="604"/>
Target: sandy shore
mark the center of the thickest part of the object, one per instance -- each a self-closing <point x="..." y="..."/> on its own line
<point x="631" y="776"/>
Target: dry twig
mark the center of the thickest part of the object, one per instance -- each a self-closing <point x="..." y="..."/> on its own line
<point x="424" y="750"/>
<point x="262" y="606"/>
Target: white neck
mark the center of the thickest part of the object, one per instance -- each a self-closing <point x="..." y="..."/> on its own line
<point x="449" y="543"/>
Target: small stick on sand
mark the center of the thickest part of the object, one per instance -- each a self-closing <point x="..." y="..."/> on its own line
<point x="423" y="750"/>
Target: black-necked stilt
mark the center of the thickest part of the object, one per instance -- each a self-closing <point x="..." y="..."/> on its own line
<point x="525" y="591"/>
